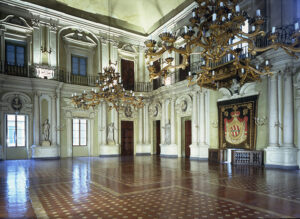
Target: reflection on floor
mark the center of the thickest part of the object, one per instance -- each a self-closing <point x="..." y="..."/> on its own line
<point x="145" y="187"/>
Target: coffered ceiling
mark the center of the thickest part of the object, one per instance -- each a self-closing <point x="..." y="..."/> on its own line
<point x="139" y="16"/>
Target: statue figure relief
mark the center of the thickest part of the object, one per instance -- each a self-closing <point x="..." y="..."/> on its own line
<point x="167" y="133"/>
<point x="46" y="129"/>
<point x="110" y="135"/>
<point x="16" y="104"/>
<point x="46" y="133"/>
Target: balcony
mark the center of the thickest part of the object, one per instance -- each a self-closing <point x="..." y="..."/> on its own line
<point x="49" y="73"/>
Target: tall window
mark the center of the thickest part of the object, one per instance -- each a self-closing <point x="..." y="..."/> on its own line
<point x="16" y="130"/>
<point x="15" y="54"/>
<point x="127" y="71"/>
<point x="79" y="132"/>
<point x="157" y="81"/>
<point x="79" y="65"/>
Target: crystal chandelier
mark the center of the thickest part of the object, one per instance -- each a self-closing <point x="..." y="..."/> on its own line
<point x="109" y="89"/>
<point x="216" y="33"/>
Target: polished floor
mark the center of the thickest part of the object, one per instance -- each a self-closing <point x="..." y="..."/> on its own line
<point x="144" y="187"/>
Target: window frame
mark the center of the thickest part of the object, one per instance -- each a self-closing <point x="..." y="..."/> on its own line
<point x="125" y="83"/>
<point x="86" y="133"/>
<point x="16" y="134"/>
<point x="78" y="66"/>
<point x="16" y="44"/>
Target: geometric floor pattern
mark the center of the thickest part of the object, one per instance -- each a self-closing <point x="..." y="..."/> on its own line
<point x="145" y="187"/>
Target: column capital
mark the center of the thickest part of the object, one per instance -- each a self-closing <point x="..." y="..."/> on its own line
<point x="274" y="76"/>
<point x="36" y="23"/>
<point x="37" y="93"/>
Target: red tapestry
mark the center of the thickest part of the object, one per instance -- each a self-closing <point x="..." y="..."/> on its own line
<point x="237" y="127"/>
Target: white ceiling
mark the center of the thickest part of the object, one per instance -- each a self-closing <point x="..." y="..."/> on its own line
<point x="140" y="16"/>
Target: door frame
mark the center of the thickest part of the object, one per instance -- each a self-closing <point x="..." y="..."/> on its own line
<point x="5" y="147"/>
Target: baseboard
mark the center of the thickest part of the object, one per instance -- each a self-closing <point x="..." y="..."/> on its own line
<point x="168" y="156"/>
<point x="110" y="155"/>
<point x="270" y="166"/>
<point x="199" y="158"/>
<point x="45" y="158"/>
<point x="143" y="154"/>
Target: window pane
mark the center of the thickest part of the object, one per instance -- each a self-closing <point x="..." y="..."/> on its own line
<point x="11" y="117"/>
<point x="20" y="55"/>
<point x="76" y="132"/>
<point x="10" y="54"/>
<point x="11" y="140"/>
<point x="21" y="133"/>
<point x="82" y="141"/>
<point x="21" y="118"/>
<point x="82" y="126"/>
<point x="83" y="66"/>
<point x="11" y="131"/>
<point x="75" y="65"/>
<point x="75" y="140"/>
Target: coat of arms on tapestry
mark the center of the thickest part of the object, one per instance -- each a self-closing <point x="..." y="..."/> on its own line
<point x="237" y="127"/>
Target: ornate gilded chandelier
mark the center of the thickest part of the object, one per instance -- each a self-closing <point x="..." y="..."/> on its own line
<point x="109" y="89"/>
<point x="216" y="33"/>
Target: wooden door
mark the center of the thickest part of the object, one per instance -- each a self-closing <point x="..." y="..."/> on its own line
<point x="188" y="137"/>
<point x="127" y="138"/>
<point x="158" y="137"/>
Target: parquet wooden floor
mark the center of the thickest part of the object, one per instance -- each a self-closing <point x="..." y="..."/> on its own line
<point x="145" y="187"/>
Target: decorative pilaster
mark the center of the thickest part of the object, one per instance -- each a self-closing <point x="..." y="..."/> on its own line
<point x="36" y="119"/>
<point x="100" y="128"/>
<point x="37" y="58"/>
<point x="105" y="55"/>
<point x="288" y="112"/>
<point x="202" y="120"/>
<point x="141" y="72"/>
<point x="143" y="147"/>
<point x="298" y="115"/>
<point x="53" y="125"/>
<point x="203" y="147"/>
<point x="116" y="123"/>
<point x="146" y="123"/>
<point x="194" y="146"/>
<point x="172" y="121"/>
<point x="2" y="52"/>
<point x="163" y="122"/>
<point x="194" y="119"/>
<point x="140" y="126"/>
<point x="69" y="133"/>
<point x="59" y="128"/>
<point x="280" y="108"/>
<point x="91" y="134"/>
<point x="104" y="123"/>
<point x="52" y="45"/>
<point x="273" y="112"/>
<point x="168" y="149"/>
<point x="207" y="118"/>
<point x="286" y="155"/>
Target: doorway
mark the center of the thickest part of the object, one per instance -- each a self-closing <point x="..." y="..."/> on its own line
<point x="157" y="125"/>
<point x="188" y="137"/>
<point x="127" y="138"/>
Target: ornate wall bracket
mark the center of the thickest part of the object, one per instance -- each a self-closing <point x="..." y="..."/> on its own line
<point x="261" y="121"/>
